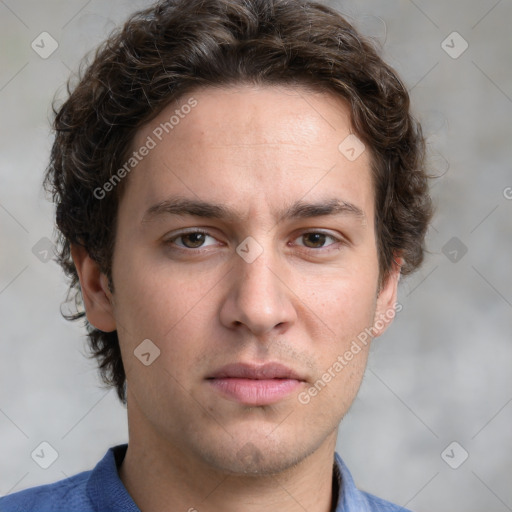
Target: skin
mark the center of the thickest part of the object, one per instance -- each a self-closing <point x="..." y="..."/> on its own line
<point x="301" y="302"/>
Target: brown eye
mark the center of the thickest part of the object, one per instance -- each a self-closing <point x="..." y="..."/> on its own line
<point x="195" y="239"/>
<point x="316" y="239"/>
<point x="191" y="240"/>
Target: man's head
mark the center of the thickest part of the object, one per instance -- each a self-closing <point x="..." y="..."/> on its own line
<point x="262" y="110"/>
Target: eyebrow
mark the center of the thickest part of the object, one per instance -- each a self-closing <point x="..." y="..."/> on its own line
<point x="182" y="206"/>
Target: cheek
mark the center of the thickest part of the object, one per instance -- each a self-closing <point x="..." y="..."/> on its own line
<point x="345" y="301"/>
<point x="345" y="307"/>
<point x="164" y="307"/>
<point x="153" y="298"/>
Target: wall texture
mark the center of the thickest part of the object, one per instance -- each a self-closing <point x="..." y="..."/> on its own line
<point x="431" y="428"/>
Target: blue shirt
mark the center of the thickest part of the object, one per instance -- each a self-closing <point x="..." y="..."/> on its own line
<point x="101" y="490"/>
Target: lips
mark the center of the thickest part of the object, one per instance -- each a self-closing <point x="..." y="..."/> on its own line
<point x="255" y="385"/>
<point x="262" y="372"/>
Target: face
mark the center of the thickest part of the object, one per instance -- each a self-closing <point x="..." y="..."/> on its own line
<point x="220" y="261"/>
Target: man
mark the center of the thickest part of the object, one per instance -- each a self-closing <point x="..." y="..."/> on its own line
<point x="239" y="186"/>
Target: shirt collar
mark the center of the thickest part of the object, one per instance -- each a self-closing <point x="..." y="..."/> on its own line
<point x="105" y="488"/>
<point x="350" y="499"/>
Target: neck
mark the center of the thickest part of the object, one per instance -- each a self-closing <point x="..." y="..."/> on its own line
<point x="160" y="475"/>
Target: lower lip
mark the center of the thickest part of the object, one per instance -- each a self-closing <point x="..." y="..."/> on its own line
<point x="255" y="392"/>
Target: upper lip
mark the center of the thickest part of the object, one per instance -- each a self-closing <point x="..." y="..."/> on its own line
<point x="253" y="371"/>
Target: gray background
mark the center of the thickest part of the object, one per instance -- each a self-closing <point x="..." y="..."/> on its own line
<point x="441" y="373"/>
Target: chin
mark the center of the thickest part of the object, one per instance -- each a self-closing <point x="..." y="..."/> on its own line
<point x="258" y="456"/>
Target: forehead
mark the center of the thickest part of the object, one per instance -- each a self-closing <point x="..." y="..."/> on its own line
<point x="249" y="114"/>
<point x="250" y="147"/>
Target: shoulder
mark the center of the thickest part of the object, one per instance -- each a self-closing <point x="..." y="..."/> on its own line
<point x="375" y="504"/>
<point x="353" y="499"/>
<point x="99" y="489"/>
<point x="64" y="495"/>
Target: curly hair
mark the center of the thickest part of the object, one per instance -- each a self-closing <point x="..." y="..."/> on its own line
<point x="166" y="51"/>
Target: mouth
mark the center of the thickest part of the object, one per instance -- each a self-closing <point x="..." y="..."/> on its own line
<point x="255" y="385"/>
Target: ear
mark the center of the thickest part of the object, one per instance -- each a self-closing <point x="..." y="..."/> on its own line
<point x="386" y="299"/>
<point x="95" y="292"/>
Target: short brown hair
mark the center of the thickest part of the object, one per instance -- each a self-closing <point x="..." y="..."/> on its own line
<point x="176" y="46"/>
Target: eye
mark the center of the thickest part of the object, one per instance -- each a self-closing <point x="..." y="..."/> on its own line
<point x="316" y="239"/>
<point x="190" y="240"/>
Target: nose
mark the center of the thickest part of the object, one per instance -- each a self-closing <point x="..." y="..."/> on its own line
<point x="258" y="298"/>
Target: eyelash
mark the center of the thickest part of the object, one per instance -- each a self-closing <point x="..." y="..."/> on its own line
<point x="200" y="250"/>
